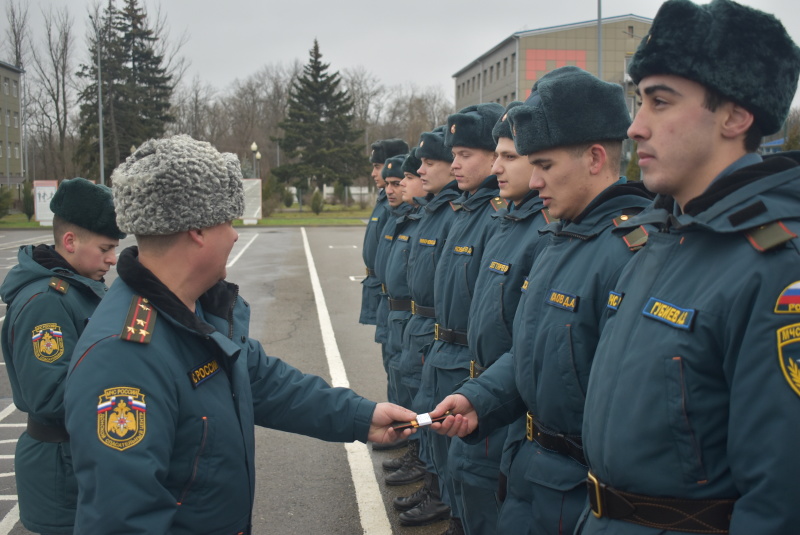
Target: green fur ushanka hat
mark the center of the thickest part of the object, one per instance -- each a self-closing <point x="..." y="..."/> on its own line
<point x="431" y="146"/>
<point x="472" y="126"/>
<point x="412" y="164"/>
<point x="176" y="184"/>
<point x="393" y="167"/>
<point x="502" y="127"/>
<point x="742" y="53"/>
<point x="87" y="205"/>
<point x="569" y="106"/>
<point x="386" y="148"/>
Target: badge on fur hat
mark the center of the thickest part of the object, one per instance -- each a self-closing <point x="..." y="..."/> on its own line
<point x="121" y="415"/>
<point x="789" y="355"/>
<point x="453" y="129"/>
<point x="48" y="343"/>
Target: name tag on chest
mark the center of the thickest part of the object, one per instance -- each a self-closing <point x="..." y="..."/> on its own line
<point x="559" y="299"/>
<point x="672" y="315"/>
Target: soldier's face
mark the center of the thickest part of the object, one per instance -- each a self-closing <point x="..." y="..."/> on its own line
<point x="513" y="171"/>
<point x="93" y="255"/>
<point x="563" y="181"/>
<point x="471" y="167"/>
<point x="412" y="187"/>
<point x="220" y="239"/>
<point x="434" y="175"/>
<point x="394" y="191"/>
<point x="376" y="175"/>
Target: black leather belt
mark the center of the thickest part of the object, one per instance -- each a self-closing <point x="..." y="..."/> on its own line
<point x="403" y="305"/>
<point x="47" y="433"/>
<point x="370" y="272"/>
<point x="569" y="445"/>
<point x="425" y="312"/>
<point x="450" y="336"/>
<point x="475" y="369"/>
<point x="671" y="514"/>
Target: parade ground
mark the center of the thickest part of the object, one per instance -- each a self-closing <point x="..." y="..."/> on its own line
<point x="303" y="285"/>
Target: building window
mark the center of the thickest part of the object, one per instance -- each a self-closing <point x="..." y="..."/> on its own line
<point x="491" y="74"/>
<point x="8" y="117"/>
<point x="630" y="31"/>
<point x="505" y="66"/>
<point x="1" y="149"/>
<point x="8" y="150"/>
<point x="16" y="151"/>
<point x="498" y="70"/>
<point x="513" y="61"/>
<point x="15" y="88"/>
<point x="16" y="120"/>
<point x="484" y="78"/>
<point x="513" y="95"/>
<point x="5" y="86"/>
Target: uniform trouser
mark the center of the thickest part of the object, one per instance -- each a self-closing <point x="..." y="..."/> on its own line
<point x="533" y="507"/>
<point x="370" y="295"/>
<point x="46" y="485"/>
<point x="396" y="324"/>
<point x="479" y="509"/>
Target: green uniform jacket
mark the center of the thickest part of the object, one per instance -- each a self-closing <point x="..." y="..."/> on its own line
<point x="371" y="286"/>
<point x="161" y="407"/>
<point x="48" y="308"/>
<point x="695" y="390"/>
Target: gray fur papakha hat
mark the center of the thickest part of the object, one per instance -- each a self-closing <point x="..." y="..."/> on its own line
<point x="742" y="53"/>
<point x="176" y="184"/>
<point x="502" y="127"/>
<point x="569" y="106"/>
<point x="412" y="163"/>
<point x="431" y="146"/>
<point x="87" y="205"/>
<point x="386" y="148"/>
<point x="472" y="126"/>
<point x="393" y="167"/>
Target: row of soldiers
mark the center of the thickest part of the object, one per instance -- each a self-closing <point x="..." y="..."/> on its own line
<point x="506" y="259"/>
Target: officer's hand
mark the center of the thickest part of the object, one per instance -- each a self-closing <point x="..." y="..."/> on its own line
<point x="385" y="414"/>
<point x="462" y="421"/>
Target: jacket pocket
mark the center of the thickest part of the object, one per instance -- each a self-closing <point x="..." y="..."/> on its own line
<point x="678" y="411"/>
<point x="200" y="460"/>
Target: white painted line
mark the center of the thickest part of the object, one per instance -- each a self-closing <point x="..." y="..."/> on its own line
<point x="1" y="319"/>
<point x="7" y="474"/>
<point x="6" y="456"/>
<point x="8" y="497"/>
<point x="7" y="411"/>
<point x="236" y="258"/>
<point x="8" y="441"/>
<point x="357" y="278"/>
<point x="13" y="425"/>
<point x="10" y="520"/>
<point x="16" y="243"/>
<point x="342" y="247"/>
<point x="374" y="520"/>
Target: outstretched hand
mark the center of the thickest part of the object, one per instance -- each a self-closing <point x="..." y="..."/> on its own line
<point x="462" y="421"/>
<point x="380" y="430"/>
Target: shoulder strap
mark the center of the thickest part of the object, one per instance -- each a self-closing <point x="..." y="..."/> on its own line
<point x="59" y="285"/>
<point x="140" y="322"/>
<point x="769" y="236"/>
<point x="635" y="239"/>
<point x="498" y="203"/>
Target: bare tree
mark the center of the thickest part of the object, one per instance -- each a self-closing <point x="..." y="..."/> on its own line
<point x="54" y="100"/>
<point x="17" y="33"/>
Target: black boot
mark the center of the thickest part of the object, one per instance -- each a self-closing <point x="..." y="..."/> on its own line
<point x="404" y="503"/>
<point x="431" y="508"/>
<point x="396" y="445"/>
<point x="412" y="469"/>
<point x="455" y="527"/>
<point x="390" y="465"/>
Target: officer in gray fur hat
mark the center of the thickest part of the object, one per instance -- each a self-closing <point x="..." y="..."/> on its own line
<point x="165" y="386"/>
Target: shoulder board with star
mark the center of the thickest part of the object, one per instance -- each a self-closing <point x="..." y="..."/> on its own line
<point x="455" y="207"/>
<point x="635" y="239"/>
<point x="59" y="285"/>
<point x="498" y="203"/>
<point x="769" y="236"/>
<point x="140" y="322"/>
<point x="547" y="217"/>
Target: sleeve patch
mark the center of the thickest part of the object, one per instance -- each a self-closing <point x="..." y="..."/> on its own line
<point x="789" y="300"/>
<point x="789" y="355"/>
<point x="121" y="417"/>
<point x="48" y="342"/>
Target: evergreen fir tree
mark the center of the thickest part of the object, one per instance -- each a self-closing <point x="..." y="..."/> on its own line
<point x="135" y="85"/>
<point x="319" y="137"/>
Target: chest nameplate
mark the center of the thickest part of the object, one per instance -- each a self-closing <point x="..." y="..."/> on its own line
<point x="563" y="300"/>
<point x="674" y="316"/>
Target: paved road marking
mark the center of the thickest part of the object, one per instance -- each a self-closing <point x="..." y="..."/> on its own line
<point x="11" y="518"/>
<point x="374" y="520"/>
<point x="236" y="258"/>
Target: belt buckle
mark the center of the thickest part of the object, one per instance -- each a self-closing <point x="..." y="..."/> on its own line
<point x="472" y="369"/>
<point x="592" y="481"/>
<point x="383" y="288"/>
<point x="367" y="270"/>
<point x="413" y="307"/>
<point x="529" y="427"/>
<point x="436" y="331"/>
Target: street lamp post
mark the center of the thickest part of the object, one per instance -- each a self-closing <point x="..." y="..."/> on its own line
<point x="254" y="148"/>
<point x="258" y="165"/>
<point x="99" y="99"/>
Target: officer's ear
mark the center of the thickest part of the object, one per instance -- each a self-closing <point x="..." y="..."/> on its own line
<point x="68" y="240"/>
<point x="197" y="236"/>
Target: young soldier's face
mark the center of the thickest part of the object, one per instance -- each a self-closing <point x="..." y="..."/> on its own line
<point x="394" y="191"/>
<point x="434" y="175"/>
<point x="563" y="181"/>
<point x="412" y="187"/>
<point x="94" y="255"/>
<point x="513" y="171"/>
<point x="471" y="167"/>
<point x="376" y="175"/>
<point x="678" y="139"/>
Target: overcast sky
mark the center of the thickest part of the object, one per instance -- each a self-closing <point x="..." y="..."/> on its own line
<point x="423" y="42"/>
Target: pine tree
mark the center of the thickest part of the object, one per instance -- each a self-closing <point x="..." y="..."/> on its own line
<point x="319" y="137"/>
<point x="135" y="85"/>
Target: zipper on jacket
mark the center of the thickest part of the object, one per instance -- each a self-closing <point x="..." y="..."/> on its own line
<point x="196" y="461"/>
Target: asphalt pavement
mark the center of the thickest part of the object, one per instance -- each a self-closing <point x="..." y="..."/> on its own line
<point x="304" y="485"/>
